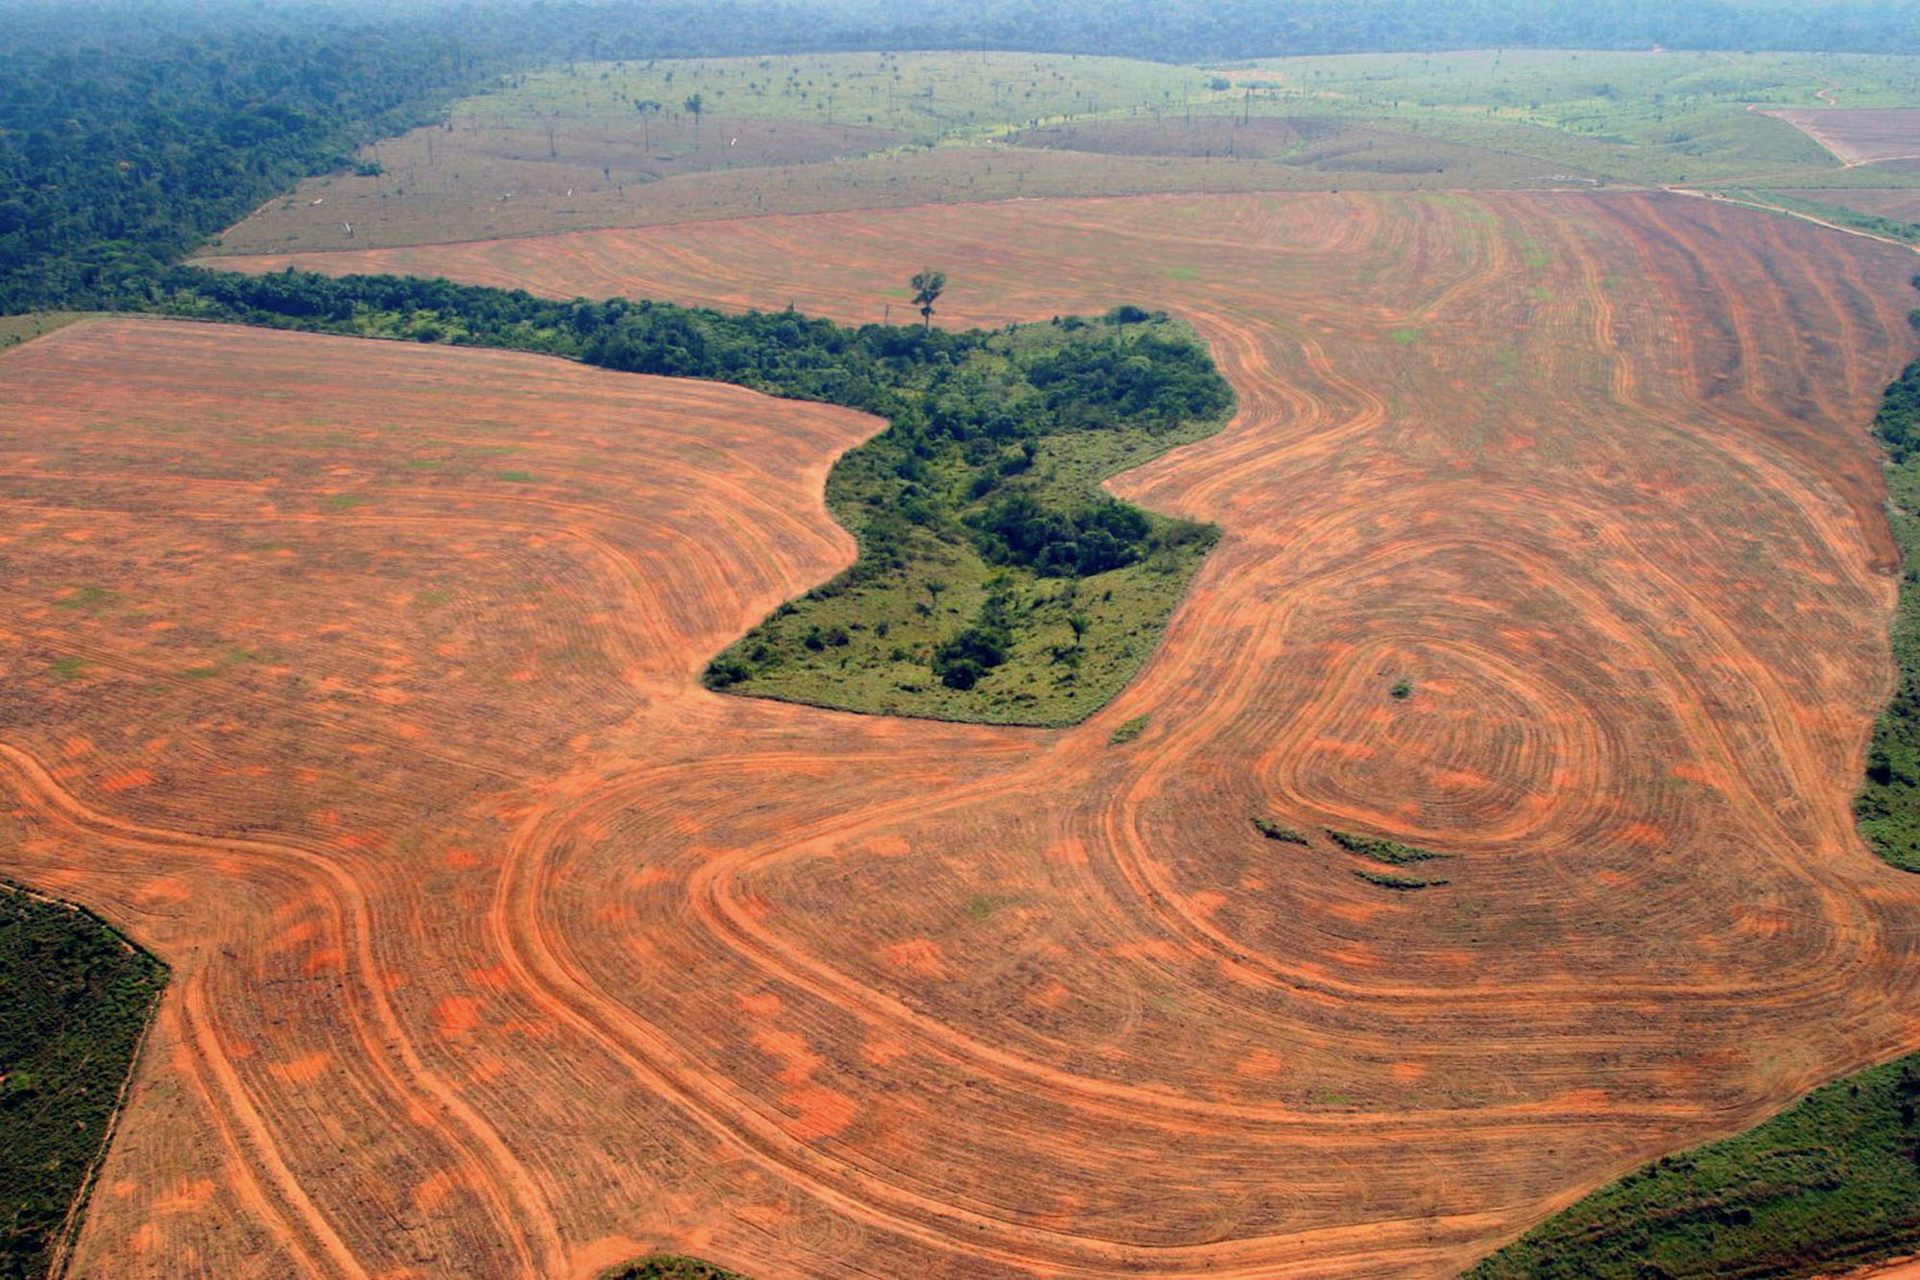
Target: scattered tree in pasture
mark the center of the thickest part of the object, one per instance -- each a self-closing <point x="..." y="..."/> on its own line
<point x="928" y="285"/>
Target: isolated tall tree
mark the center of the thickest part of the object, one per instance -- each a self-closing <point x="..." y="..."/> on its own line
<point x="695" y="105"/>
<point x="927" y="287"/>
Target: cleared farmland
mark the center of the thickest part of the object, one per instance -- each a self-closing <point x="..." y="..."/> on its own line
<point x="1861" y="136"/>
<point x="1551" y="545"/>
<point x="617" y="145"/>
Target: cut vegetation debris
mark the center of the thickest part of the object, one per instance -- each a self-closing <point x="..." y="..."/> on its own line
<point x="1274" y="831"/>
<point x="1391" y="852"/>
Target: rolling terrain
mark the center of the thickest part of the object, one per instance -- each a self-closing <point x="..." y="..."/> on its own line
<point x="628" y="144"/>
<point x="1551" y="544"/>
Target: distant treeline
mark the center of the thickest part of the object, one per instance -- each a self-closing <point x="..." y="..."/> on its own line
<point x="131" y="132"/>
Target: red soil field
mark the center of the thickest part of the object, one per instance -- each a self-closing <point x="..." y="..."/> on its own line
<point x="503" y="948"/>
<point x="1860" y="135"/>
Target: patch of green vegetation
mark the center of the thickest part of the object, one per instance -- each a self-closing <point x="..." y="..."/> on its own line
<point x="663" y="1266"/>
<point x="75" y="998"/>
<point x="1274" y="831"/>
<point x="87" y="598"/>
<point x="1402" y="689"/>
<point x="1404" y="337"/>
<point x="1404" y="884"/>
<point x="69" y="667"/>
<point x="225" y="662"/>
<point x="1830" y="1184"/>
<point x="1663" y="118"/>
<point x="1391" y="852"/>
<point x="15" y="330"/>
<point x="518" y="477"/>
<point x="928" y="97"/>
<point x="1127" y="732"/>
<point x="346" y="501"/>
<point x="1839" y="215"/>
<point x="983" y="906"/>
<point x="995" y="581"/>
<point x="1888" y="806"/>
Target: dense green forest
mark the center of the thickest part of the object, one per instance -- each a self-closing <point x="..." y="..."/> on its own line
<point x="131" y="133"/>
<point x="661" y="1266"/>
<point x="1831" y="1183"/>
<point x="984" y="542"/>
<point x="1888" y="806"/>
<point x="74" y="1001"/>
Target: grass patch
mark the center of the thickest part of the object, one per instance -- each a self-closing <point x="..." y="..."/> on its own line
<point x="1127" y="732"/>
<point x="663" y="1266"/>
<point x="1274" y="831"/>
<point x="1830" y="1184"/>
<point x="1839" y="215"/>
<point x="15" y="330"/>
<point x="75" y="998"/>
<point x="1404" y="884"/>
<point x="1402" y="689"/>
<point x="1888" y="806"/>
<point x="87" y="598"/>
<point x="1391" y="852"/>
<point x="983" y="906"/>
<point x="225" y="662"/>
<point x="69" y="667"/>
<point x="518" y="477"/>
<point x="1656" y="118"/>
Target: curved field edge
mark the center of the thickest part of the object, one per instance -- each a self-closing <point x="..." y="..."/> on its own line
<point x="76" y="999"/>
<point x="1832" y="1182"/>
<point x="994" y="583"/>
<point x="1888" y="806"/>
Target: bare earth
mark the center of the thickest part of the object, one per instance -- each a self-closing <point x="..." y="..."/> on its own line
<point x="502" y="948"/>
<point x="1860" y="135"/>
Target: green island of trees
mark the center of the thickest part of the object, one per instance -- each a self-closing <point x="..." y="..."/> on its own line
<point x="994" y="581"/>
<point x="666" y="1266"/>
<point x="75" y="998"/>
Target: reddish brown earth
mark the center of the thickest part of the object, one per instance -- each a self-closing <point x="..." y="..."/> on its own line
<point x="502" y="948"/>
<point x="1860" y="135"/>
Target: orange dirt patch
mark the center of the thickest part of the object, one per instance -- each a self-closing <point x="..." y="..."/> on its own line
<point x="1860" y="135"/>
<point x="1569" y="465"/>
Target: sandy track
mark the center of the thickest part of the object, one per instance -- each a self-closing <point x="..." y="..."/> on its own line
<point x="610" y="962"/>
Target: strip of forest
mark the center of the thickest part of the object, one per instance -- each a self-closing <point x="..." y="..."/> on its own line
<point x="1888" y="806"/>
<point x="77" y="997"/>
